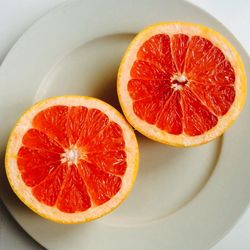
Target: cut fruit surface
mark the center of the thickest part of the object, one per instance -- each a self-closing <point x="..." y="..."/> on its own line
<point x="72" y="159"/>
<point x="181" y="84"/>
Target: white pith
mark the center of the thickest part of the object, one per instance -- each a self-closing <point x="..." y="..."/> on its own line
<point x="180" y="78"/>
<point x="153" y="131"/>
<point x="70" y="155"/>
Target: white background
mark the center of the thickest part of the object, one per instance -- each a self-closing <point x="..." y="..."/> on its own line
<point x="17" y="15"/>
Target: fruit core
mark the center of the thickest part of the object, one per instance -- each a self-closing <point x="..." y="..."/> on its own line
<point x="178" y="81"/>
<point x="72" y="155"/>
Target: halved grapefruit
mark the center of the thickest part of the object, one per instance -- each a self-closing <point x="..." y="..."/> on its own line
<point x="181" y="84"/>
<point x="72" y="159"/>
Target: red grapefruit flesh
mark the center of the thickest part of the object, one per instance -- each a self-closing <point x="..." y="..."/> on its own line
<point x="181" y="84"/>
<point x="73" y="163"/>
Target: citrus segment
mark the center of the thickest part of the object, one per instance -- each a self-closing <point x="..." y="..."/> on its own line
<point x="76" y="119"/>
<point x="147" y="109"/>
<point x="145" y="70"/>
<point x="67" y="162"/>
<point x="47" y="191"/>
<point x="180" y="44"/>
<point x="157" y="51"/>
<point x="212" y="68"/>
<point x="109" y="138"/>
<point x="217" y="98"/>
<point x="181" y="83"/>
<point x="102" y="185"/>
<point x="38" y="140"/>
<point x="34" y="165"/>
<point x="197" y="49"/>
<point x="53" y="122"/>
<point x="74" y="196"/>
<point x="197" y="117"/>
<point x="170" y="115"/>
<point x="142" y="89"/>
<point x="94" y="122"/>
<point x="113" y="162"/>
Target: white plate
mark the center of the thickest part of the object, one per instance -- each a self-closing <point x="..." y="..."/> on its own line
<point x="183" y="198"/>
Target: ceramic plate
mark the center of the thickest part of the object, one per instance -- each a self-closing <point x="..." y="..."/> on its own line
<point x="182" y="198"/>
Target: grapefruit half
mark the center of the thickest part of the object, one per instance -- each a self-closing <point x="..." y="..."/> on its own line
<point x="181" y="84"/>
<point x="72" y="159"/>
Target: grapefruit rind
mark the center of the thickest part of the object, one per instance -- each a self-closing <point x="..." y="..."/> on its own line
<point x="52" y="213"/>
<point x="153" y="132"/>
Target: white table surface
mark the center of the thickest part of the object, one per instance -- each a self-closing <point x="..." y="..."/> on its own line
<point x="17" y="15"/>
